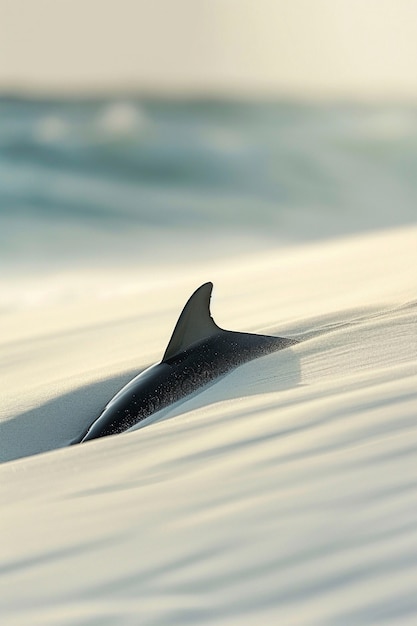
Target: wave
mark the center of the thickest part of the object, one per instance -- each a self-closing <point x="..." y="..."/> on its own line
<point x="277" y="171"/>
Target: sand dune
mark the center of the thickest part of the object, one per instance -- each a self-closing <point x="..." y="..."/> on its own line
<point x="283" y="493"/>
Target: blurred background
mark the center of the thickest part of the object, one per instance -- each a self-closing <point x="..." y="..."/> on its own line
<point x="143" y="132"/>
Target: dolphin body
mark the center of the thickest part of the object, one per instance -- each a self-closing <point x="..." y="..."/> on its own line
<point x="199" y="351"/>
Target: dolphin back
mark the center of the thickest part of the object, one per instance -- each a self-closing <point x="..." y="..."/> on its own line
<point x="196" y="325"/>
<point x="198" y="352"/>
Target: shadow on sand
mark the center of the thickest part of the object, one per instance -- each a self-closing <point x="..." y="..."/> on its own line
<point x="55" y="423"/>
<point x="58" y="422"/>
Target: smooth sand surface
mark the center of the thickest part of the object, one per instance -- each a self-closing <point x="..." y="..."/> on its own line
<point x="284" y="493"/>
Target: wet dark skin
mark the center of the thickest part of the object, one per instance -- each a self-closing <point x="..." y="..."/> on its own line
<point x="183" y="370"/>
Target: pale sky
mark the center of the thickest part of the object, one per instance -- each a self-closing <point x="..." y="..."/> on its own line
<point x="330" y="48"/>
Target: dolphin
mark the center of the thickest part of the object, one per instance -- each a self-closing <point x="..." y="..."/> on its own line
<point x="198" y="352"/>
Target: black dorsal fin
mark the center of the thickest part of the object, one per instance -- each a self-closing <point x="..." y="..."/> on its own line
<point x="194" y="324"/>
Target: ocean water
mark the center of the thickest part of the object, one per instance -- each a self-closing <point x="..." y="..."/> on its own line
<point x="98" y="182"/>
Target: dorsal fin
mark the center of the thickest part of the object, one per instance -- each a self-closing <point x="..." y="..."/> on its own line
<point x="194" y="324"/>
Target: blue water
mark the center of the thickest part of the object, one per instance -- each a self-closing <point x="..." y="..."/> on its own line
<point x="96" y="180"/>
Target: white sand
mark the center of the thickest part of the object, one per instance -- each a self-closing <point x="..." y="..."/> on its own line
<point x="285" y="493"/>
